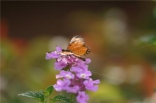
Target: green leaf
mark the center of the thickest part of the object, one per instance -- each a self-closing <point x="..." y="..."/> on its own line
<point x="48" y="91"/>
<point x="35" y="95"/>
<point x="61" y="98"/>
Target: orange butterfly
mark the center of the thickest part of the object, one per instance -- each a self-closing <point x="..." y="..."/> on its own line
<point x="77" y="47"/>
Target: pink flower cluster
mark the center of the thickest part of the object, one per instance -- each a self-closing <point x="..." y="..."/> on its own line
<point x="76" y="79"/>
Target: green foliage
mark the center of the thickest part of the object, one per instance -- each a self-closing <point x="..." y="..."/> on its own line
<point x="48" y="91"/>
<point x="35" y="95"/>
<point x="43" y="96"/>
<point x="149" y="39"/>
<point x="61" y="98"/>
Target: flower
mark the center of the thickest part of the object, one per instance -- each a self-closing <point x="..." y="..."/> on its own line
<point x="60" y="64"/>
<point x="84" y="74"/>
<point x="72" y="89"/>
<point x="52" y="55"/>
<point x="65" y="74"/>
<point x="76" y="79"/>
<point x="82" y="97"/>
<point x="91" y="85"/>
<point x="62" y="84"/>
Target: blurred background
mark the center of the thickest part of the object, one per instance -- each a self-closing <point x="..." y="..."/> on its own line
<point x="121" y="35"/>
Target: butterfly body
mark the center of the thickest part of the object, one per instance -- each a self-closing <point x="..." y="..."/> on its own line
<point x="76" y="47"/>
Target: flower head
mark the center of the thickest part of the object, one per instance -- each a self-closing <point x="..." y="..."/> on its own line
<point x="77" y="78"/>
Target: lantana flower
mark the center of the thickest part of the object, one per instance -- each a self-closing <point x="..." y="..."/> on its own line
<point x="77" y="79"/>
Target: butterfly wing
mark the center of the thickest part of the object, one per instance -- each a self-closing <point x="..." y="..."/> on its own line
<point x="77" y="46"/>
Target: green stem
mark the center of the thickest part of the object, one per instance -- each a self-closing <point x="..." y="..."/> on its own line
<point x="71" y="98"/>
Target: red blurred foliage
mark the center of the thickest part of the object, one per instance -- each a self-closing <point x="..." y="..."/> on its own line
<point x="149" y="80"/>
<point x="19" y="44"/>
<point x="4" y="28"/>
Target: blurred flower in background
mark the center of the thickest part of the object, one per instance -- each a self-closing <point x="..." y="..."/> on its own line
<point x="122" y="37"/>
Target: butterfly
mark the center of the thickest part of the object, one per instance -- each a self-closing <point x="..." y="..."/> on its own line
<point x="77" y="47"/>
